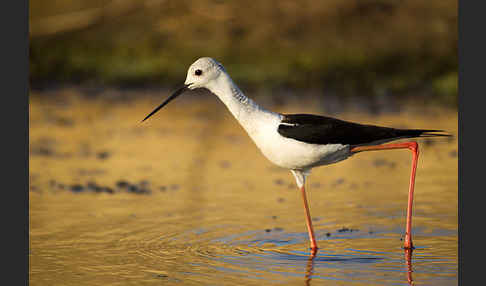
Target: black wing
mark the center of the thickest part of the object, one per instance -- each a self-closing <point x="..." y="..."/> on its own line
<point x="315" y="129"/>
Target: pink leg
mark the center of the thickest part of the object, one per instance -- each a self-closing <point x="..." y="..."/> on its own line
<point x="309" y="223"/>
<point x="413" y="146"/>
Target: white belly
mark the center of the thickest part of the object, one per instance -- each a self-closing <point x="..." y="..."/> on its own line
<point x="290" y="153"/>
<point x="293" y="154"/>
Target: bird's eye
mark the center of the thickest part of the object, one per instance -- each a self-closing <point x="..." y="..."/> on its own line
<point x="198" y="72"/>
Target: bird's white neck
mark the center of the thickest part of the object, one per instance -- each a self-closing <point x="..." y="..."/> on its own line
<point x="237" y="103"/>
<point x="260" y="124"/>
<point x="244" y="109"/>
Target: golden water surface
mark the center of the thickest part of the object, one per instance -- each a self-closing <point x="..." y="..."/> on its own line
<point x="186" y="198"/>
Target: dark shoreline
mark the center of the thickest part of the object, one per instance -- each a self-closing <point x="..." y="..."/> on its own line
<point x="329" y="101"/>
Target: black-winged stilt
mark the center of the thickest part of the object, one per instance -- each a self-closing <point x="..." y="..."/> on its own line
<point x="300" y="142"/>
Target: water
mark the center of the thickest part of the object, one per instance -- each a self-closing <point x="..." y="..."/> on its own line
<point x="187" y="199"/>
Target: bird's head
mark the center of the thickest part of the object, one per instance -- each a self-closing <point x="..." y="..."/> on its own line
<point x="202" y="73"/>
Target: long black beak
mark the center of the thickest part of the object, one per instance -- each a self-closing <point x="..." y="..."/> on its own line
<point x="170" y="98"/>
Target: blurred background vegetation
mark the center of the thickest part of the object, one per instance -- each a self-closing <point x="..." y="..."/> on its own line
<point x="353" y="47"/>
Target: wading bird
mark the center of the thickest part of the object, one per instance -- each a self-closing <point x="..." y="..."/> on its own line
<point x="300" y="142"/>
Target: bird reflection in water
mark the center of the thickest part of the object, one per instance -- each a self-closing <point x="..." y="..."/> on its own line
<point x="408" y="261"/>
<point x="309" y="271"/>
<point x="310" y="266"/>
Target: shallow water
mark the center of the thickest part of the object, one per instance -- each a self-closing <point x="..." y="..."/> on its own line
<point x="187" y="199"/>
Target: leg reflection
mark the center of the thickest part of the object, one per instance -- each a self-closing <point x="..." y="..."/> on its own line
<point x="310" y="266"/>
<point x="408" y="261"/>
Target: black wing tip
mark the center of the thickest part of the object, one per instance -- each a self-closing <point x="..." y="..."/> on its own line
<point x="436" y="135"/>
<point x="431" y="133"/>
<point x="436" y="132"/>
